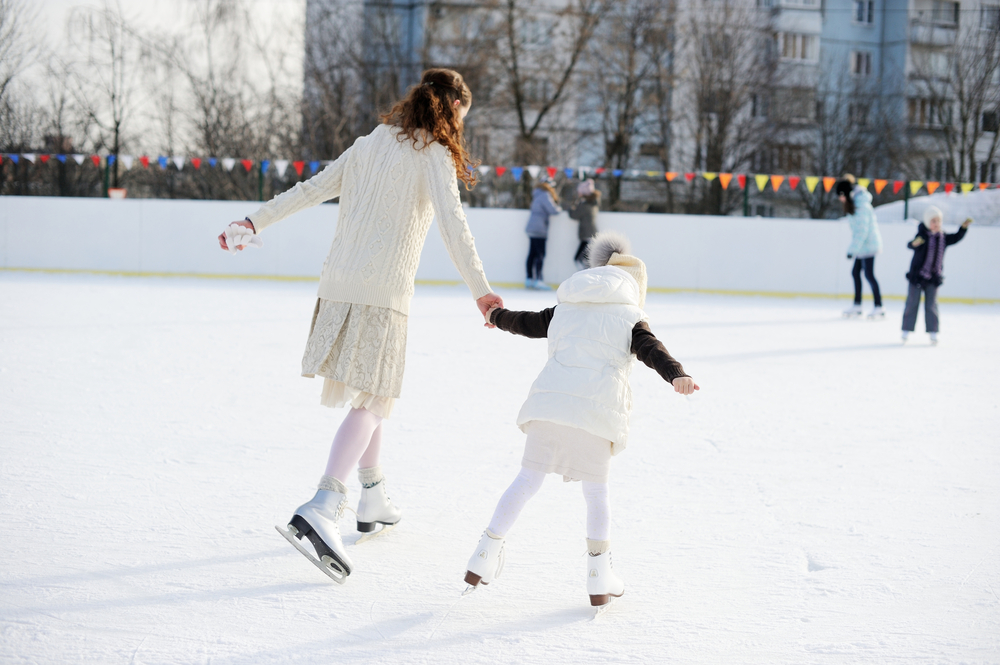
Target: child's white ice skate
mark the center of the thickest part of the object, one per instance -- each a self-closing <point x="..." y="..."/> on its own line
<point x="853" y="312"/>
<point x="905" y="336"/>
<point x="876" y="314"/>
<point x="486" y="562"/>
<point x="602" y="583"/>
<point x="934" y="339"/>
<point x="375" y="506"/>
<point x="318" y="520"/>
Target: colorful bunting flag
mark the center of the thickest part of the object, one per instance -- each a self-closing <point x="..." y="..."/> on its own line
<point x="298" y="166"/>
<point x="516" y="171"/>
<point x="484" y="170"/>
<point x="568" y="172"/>
<point x="811" y="182"/>
<point x="617" y="173"/>
<point x="948" y="187"/>
<point x="551" y="170"/>
<point x="79" y="159"/>
<point x="61" y="158"/>
<point x="144" y="160"/>
<point x="264" y="165"/>
<point x="864" y="182"/>
<point x="314" y="166"/>
<point x="30" y="156"/>
<point x="212" y="161"/>
<point x="670" y="176"/>
<point x="793" y="181"/>
<point x="689" y="177"/>
<point x="162" y="161"/>
<point x="932" y="187"/>
<point x="915" y="186"/>
<point x="196" y="162"/>
<point x="248" y="164"/>
<point x="983" y="186"/>
<point x="96" y="159"/>
<point x="880" y="185"/>
<point x="44" y="158"/>
<point x="966" y="187"/>
<point x="709" y="175"/>
<point x="776" y="181"/>
<point x="228" y="163"/>
<point x="501" y="170"/>
<point x="282" y="166"/>
<point x="534" y="170"/>
<point x="128" y="160"/>
<point x="14" y="158"/>
<point x="724" y="179"/>
<point x="652" y="174"/>
<point x="761" y="181"/>
<point x="111" y="159"/>
<point x="600" y="170"/>
<point x="828" y="183"/>
<point x="178" y="162"/>
<point x="742" y="180"/>
<point x="897" y="185"/>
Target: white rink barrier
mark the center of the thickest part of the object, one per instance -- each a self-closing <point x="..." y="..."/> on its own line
<point x="754" y="256"/>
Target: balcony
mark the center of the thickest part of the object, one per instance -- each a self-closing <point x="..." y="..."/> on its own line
<point x="930" y="33"/>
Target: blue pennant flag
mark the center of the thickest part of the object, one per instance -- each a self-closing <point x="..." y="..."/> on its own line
<point x="111" y="159"/>
<point x="617" y="173"/>
<point x="162" y="161"/>
<point x="517" y="171"/>
<point x="568" y="172"/>
<point x="14" y="158"/>
<point x="212" y="161"/>
<point x="61" y="158"/>
<point x="264" y="164"/>
<point x="314" y="166"/>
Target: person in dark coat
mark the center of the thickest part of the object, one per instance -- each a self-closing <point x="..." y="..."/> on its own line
<point x="585" y="212"/>
<point x="926" y="270"/>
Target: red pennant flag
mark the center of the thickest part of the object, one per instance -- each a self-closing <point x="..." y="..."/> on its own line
<point x="828" y="183"/>
<point x="793" y="181"/>
<point x="689" y="177"/>
<point x="880" y="185"/>
<point x="948" y="186"/>
<point x="247" y="164"/>
<point x="932" y="187"/>
<point x="600" y="170"/>
<point x="96" y="159"/>
<point x="742" y="179"/>
<point x="144" y="160"/>
<point x="44" y="158"/>
<point x="298" y="166"/>
<point x="725" y="178"/>
<point x="670" y="176"/>
<point x="196" y="162"/>
<point x="551" y="171"/>
<point x="501" y="170"/>
<point x="897" y="185"/>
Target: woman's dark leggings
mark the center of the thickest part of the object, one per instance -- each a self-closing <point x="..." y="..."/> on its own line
<point x="869" y="266"/>
<point x="536" y="257"/>
<point x="581" y="252"/>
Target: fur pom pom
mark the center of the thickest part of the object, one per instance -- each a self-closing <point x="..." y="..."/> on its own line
<point x="605" y="244"/>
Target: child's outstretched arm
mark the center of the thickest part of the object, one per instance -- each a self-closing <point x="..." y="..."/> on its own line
<point x="654" y="355"/>
<point x="526" y="324"/>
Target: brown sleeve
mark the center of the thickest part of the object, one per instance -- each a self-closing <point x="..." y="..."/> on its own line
<point x="527" y="324"/>
<point x="651" y="351"/>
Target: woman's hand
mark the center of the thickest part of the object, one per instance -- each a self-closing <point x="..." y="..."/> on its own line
<point x="487" y="303"/>
<point x="968" y="221"/>
<point x="917" y="242"/>
<point x="684" y="385"/>
<point x="222" y="236"/>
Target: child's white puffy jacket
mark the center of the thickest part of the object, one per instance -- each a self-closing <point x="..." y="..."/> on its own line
<point x="585" y="383"/>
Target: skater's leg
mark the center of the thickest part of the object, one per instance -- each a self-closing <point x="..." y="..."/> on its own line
<point x="525" y="486"/>
<point x="371" y="455"/>
<point x="870" y="276"/>
<point x="351" y="442"/>
<point x="598" y="510"/>
<point x="581" y="251"/>
<point x="911" y="307"/>
<point x="931" y="308"/>
<point x="856" y="274"/>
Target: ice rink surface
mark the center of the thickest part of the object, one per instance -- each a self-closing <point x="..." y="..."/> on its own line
<point x="830" y="496"/>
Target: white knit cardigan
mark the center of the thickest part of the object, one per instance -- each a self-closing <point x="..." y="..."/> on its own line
<point x="389" y="193"/>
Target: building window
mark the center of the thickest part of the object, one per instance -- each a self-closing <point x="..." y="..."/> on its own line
<point x="858" y="114"/>
<point x="796" y="104"/>
<point x="861" y="63"/>
<point x="795" y="46"/>
<point x="760" y="106"/>
<point x="864" y="11"/>
<point x="991" y="121"/>
<point x="939" y="170"/>
<point x="928" y="113"/>
<point x="989" y="17"/>
<point x="945" y="13"/>
<point x="988" y="172"/>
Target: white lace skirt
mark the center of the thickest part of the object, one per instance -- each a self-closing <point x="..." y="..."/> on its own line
<point x="573" y="453"/>
<point x="360" y="351"/>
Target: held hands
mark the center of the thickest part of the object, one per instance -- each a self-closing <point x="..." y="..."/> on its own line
<point x="239" y="235"/>
<point x="487" y="304"/>
<point x="968" y="221"/>
<point x="685" y="385"/>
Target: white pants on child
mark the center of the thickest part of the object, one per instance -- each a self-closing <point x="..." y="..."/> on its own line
<point x="527" y="484"/>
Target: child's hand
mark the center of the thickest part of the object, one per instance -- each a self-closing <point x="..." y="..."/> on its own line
<point x="489" y="314"/>
<point x="967" y="222"/>
<point x="917" y="242"/>
<point x="684" y="385"/>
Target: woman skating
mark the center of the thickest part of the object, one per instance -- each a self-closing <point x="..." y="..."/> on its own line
<point x="866" y="242"/>
<point x="391" y="184"/>
<point x="544" y="204"/>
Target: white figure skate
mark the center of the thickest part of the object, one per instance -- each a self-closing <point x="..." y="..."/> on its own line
<point x="877" y="314"/>
<point x="602" y="583"/>
<point x="374" y="508"/>
<point x="486" y="562"/>
<point x="934" y="339"/>
<point x="853" y="312"/>
<point x="318" y="520"/>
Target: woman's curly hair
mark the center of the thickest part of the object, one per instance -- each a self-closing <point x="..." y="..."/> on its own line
<point x="430" y="106"/>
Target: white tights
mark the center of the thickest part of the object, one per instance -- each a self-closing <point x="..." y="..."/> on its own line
<point x="357" y="442"/>
<point x="527" y="484"/>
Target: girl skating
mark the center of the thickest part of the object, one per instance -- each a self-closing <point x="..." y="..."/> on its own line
<point x="866" y="242"/>
<point x="585" y="213"/>
<point x="391" y="184"/>
<point x="926" y="271"/>
<point x="576" y="416"/>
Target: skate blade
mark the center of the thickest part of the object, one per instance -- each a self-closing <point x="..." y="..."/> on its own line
<point x="469" y="589"/>
<point x="601" y="610"/>
<point x="327" y="565"/>
<point x="386" y="528"/>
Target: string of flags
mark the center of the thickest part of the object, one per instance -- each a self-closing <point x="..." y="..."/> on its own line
<point x="761" y="180"/>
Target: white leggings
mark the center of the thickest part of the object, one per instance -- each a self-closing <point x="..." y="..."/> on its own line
<point x="527" y="484"/>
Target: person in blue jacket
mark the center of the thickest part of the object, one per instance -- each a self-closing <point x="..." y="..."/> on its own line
<point x="866" y="242"/>
<point x="544" y="204"/>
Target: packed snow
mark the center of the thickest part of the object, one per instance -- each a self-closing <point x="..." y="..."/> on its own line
<point x="981" y="205"/>
<point x="830" y="495"/>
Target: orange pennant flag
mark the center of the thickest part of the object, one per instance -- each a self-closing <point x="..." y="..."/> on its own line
<point x="931" y="186"/>
<point x="983" y="185"/>
<point x="776" y="181"/>
<point x="725" y="178"/>
<point x="828" y="183"/>
<point x="670" y="176"/>
<point x="880" y="185"/>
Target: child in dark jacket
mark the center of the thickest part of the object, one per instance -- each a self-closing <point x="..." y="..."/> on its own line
<point x="926" y="271"/>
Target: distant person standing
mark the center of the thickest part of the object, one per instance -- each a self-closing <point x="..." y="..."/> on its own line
<point x="866" y="242"/>
<point x="544" y="204"/>
<point x="926" y="271"/>
<point x="585" y="213"/>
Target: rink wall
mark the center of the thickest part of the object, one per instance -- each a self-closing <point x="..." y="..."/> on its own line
<point x="793" y="257"/>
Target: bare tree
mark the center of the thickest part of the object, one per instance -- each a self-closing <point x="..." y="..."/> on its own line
<point x="17" y="53"/>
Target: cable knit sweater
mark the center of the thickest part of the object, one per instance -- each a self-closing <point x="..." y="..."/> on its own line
<point x="389" y="193"/>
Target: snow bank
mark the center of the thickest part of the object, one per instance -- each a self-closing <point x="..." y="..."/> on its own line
<point x="981" y="205"/>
